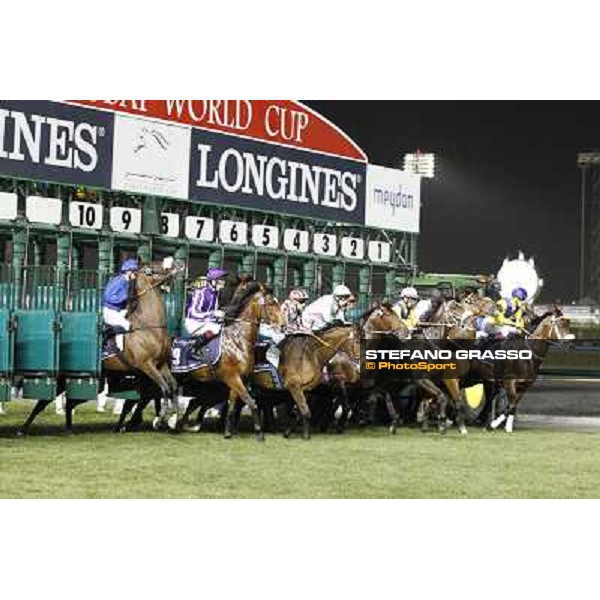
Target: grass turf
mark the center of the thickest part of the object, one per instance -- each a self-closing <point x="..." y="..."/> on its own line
<point x="368" y="463"/>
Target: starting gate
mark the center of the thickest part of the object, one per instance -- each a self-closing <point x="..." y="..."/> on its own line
<point x="269" y="188"/>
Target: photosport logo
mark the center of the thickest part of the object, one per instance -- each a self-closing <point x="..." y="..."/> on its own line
<point x="407" y="359"/>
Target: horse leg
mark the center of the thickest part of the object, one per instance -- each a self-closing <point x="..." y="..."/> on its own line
<point x="513" y="399"/>
<point x="454" y="390"/>
<point x="40" y="405"/>
<point x="152" y="371"/>
<point x="503" y="416"/>
<point x="432" y="389"/>
<point x="238" y="390"/>
<point x="172" y="397"/>
<point x="125" y="410"/>
<point x="389" y="403"/>
<point x="341" y="424"/>
<point x="69" y="406"/>
<point x="300" y="400"/>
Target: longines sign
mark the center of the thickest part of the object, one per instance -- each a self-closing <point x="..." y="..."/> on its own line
<point x="272" y="155"/>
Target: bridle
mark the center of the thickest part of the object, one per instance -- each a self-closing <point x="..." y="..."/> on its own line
<point x="149" y="272"/>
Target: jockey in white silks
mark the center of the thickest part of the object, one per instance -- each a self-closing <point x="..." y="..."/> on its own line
<point x="327" y="309"/>
<point x="203" y="319"/>
<point x="116" y="295"/>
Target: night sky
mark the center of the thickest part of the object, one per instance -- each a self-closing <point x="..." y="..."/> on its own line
<point x="506" y="178"/>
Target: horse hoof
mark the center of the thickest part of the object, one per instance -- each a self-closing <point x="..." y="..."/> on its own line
<point x="287" y="434"/>
<point x="463" y="431"/>
<point x="156" y="424"/>
<point x="260" y="438"/>
<point x="21" y="433"/>
<point x="172" y="423"/>
<point x="193" y="428"/>
<point x="227" y="435"/>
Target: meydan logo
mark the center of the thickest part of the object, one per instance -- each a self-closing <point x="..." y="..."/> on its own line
<point x="386" y="197"/>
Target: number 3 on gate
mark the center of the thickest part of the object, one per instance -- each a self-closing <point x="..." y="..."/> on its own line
<point x="325" y="243"/>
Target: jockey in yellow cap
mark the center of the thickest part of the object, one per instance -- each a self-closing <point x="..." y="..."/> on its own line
<point x="405" y="307"/>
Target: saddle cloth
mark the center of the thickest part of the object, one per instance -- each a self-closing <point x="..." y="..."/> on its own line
<point x="184" y="360"/>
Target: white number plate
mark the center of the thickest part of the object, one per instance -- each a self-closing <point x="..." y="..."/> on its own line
<point x="325" y="243"/>
<point x="295" y="240"/>
<point x="8" y="205"/>
<point x="233" y="232"/>
<point x="352" y="247"/>
<point x="380" y="251"/>
<point x="86" y="215"/>
<point x="265" y="236"/>
<point x="128" y="220"/>
<point x="169" y="225"/>
<point x="43" y="210"/>
<point x="200" y="228"/>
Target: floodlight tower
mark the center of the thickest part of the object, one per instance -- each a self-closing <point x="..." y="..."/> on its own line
<point x="589" y="226"/>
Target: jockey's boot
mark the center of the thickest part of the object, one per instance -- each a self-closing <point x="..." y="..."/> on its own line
<point x="201" y="341"/>
<point x="273" y="354"/>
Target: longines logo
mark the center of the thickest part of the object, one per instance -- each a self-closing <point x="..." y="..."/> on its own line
<point x="48" y="140"/>
<point x="254" y="174"/>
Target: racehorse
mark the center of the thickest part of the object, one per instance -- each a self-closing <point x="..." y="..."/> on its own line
<point x="146" y="345"/>
<point x="303" y="358"/>
<point x="518" y="375"/>
<point x="236" y="362"/>
<point x="271" y="316"/>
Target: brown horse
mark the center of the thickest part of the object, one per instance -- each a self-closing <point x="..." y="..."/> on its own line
<point x="236" y="363"/>
<point x="272" y="317"/>
<point x="519" y="375"/>
<point x="146" y="346"/>
<point x="303" y="357"/>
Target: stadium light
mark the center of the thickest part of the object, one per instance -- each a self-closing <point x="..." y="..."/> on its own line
<point x="420" y="163"/>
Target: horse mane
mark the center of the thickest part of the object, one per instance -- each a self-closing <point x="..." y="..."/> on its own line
<point x="238" y="304"/>
<point x="538" y="319"/>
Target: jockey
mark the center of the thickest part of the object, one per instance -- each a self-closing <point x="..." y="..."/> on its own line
<point x="509" y="316"/>
<point x="203" y="319"/>
<point x="116" y="295"/>
<point x="327" y="309"/>
<point x="426" y="309"/>
<point x="292" y="309"/>
<point x="405" y="307"/>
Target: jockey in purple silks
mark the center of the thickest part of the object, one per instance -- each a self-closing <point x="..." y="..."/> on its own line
<point x="203" y="318"/>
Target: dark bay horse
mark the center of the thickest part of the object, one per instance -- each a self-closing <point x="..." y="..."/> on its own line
<point x="146" y="346"/>
<point x="518" y="376"/>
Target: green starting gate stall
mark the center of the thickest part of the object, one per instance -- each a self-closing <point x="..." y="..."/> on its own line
<point x="269" y="188"/>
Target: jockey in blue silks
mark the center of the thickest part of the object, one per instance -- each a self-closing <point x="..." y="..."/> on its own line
<point x="203" y="317"/>
<point x="116" y="295"/>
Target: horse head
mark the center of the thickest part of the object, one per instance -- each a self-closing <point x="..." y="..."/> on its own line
<point x="552" y="325"/>
<point x="272" y="311"/>
<point x="383" y="319"/>
<point x="156" y="275"/>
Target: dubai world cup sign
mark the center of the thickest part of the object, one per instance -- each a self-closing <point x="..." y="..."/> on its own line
<point x="269" y="155"/>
